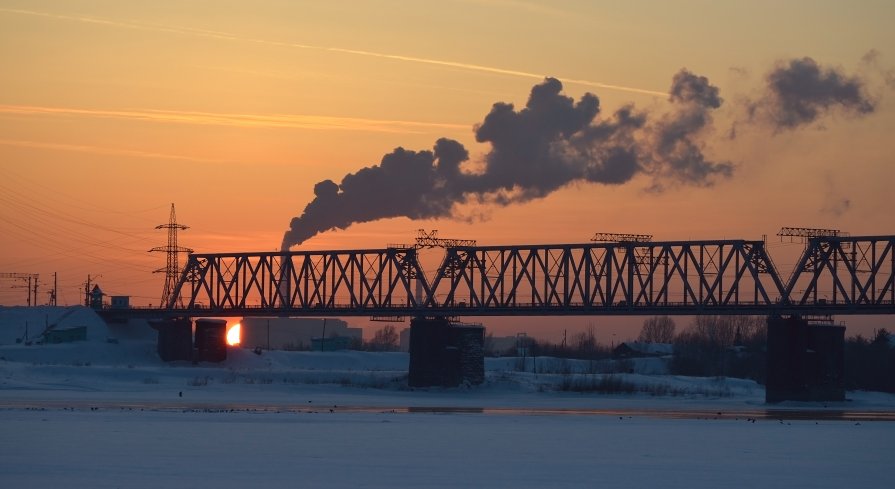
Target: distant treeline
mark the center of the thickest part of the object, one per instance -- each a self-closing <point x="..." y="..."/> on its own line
<point x="731" y="346"/>
<point x="870" y="364"/>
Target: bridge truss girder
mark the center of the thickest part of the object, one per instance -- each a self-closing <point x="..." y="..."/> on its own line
<point x="300" y="281"/>
<point x="852" y="271"/>
<point x="601" y="276"/>
<point x="625" y="278"/>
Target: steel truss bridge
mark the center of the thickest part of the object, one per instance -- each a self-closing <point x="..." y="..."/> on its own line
<point x="834" y="275"/>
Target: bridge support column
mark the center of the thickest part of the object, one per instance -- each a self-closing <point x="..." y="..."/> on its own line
<point x="445" y="354"/>
<point x="806" y="362"/>
<point x="211" y="340"/>
<point x="175" y="339"/>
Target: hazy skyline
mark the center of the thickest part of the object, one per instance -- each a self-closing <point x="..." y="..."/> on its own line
<point x="235" y="111"/>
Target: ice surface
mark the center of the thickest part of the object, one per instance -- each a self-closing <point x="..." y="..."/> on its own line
<point x="101" y="414"/>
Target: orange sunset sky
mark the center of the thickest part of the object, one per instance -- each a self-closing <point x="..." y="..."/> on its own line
<point x="234" y="110"/>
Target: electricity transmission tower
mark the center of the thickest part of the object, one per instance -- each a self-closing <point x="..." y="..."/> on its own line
<point x="172" y="263"/>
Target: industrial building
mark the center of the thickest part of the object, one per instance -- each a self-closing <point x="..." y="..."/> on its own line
<point x="279" y="333"/>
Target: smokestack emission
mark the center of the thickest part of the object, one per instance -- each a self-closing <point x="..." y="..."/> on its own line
<point x="801" y="91"/>
<point x="551" y="142"/>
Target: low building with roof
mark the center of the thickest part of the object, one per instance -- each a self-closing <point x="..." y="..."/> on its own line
<point x="637" y="349"/>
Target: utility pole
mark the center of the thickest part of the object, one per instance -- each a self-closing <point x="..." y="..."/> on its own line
<point x="323" y="338"/>
<point x="90" y="280"/>
<point x="28" y="289"/>
<point x="31" y="288"/>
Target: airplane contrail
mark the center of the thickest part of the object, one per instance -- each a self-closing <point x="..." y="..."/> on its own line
<point x="82" y="148"/>
<point x="357" y="52"/>
<point x="243" y="120"/>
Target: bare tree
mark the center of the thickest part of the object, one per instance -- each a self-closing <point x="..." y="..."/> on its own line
<point x="384" y="339"/>
<point x="716" y="331"/>
<point x="702" y="349"/>
<point x="488" y="345"/>
<point x="749" y="329"/>
<point x="585" y="343"/>
<point x="659" y="329"/>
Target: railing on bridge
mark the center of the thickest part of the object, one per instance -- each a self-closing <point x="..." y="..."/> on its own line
<point x="621" y="278"/>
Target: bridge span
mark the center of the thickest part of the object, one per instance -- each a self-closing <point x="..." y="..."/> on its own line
<point x="834" y="275"/>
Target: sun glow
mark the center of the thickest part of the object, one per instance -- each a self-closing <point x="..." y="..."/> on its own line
<point x="233" y="335"/>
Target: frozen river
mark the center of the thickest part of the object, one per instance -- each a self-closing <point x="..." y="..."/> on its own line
<point x="103" y="447"/>
<point x="112" y="415"/>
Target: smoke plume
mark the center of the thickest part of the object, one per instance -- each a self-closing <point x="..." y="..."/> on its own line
<point x="551" y="142"/>
<point x="678" y="152"/>
<point x="800" y="91"/>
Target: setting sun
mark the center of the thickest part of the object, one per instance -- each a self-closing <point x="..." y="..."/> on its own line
<point x="233" y="335"/>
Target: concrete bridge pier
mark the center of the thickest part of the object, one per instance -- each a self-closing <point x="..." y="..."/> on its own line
<point x="175" y="339"/>
<point x="806" y="362"/>
<point x="446" y="354"/>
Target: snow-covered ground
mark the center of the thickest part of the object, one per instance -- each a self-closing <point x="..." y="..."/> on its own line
<point x="103" y="413"/>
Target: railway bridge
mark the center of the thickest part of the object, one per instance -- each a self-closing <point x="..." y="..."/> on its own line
<point x="835" y="275"/>
<point x="841" y="275"/>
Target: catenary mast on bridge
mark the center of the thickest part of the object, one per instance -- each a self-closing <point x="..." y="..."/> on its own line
<point x="621" y="238"/>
